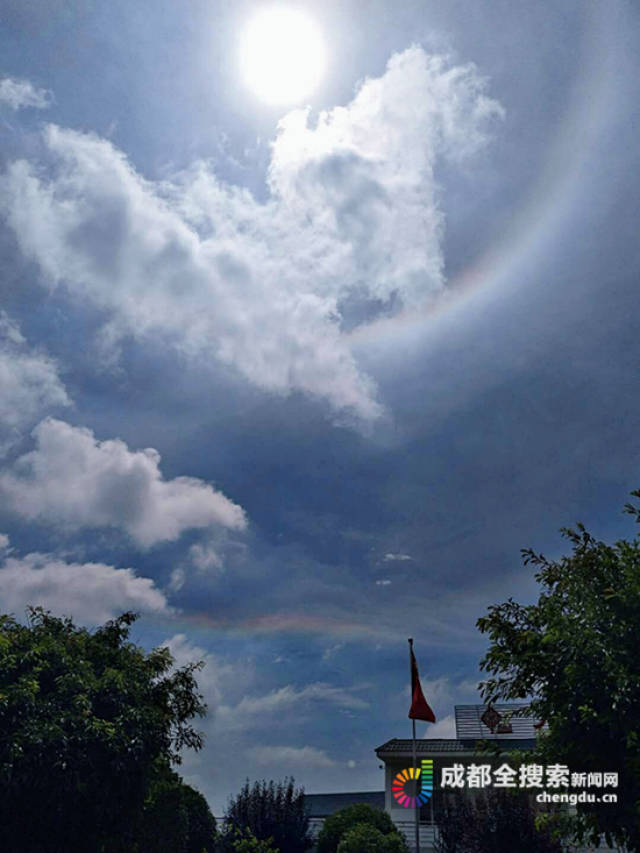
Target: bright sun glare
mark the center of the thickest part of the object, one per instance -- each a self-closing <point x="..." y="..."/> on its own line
<point x="282" y="56"/>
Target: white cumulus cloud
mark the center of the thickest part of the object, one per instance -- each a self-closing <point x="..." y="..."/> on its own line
<point x="362" y="177"/>
<point x="352" y="227"/>
<point x="90" y="593"/>
<point x="19" y="94"/>
<point x="29" y="384"/>
<point x="74" y="480"/>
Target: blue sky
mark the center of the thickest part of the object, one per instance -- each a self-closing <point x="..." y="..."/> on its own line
<point x="297" y="383"/>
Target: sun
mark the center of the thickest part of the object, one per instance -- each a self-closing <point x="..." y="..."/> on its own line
<point x="282" y="56"/>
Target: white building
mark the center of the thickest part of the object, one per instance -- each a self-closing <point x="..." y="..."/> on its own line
<point x="510" y="733"/>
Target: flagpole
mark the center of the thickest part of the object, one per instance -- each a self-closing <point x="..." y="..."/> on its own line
<point x="415" y="781"/>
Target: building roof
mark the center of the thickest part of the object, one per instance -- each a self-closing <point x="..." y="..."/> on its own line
<point x="469" y="726"/>
<point x="403" y="747"/>
<point x="323" y="805"/>
<point x="513" y="732"/>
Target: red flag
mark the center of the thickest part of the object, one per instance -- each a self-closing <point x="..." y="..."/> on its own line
<point x="420" y="709"/>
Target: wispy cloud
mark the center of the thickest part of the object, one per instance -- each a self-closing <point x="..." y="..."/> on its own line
<point x="212" y="677"/>
<point x="290" y="756"/>
<point x="331" y="651"/>
<point x="205" y="558"/>
<point x="289" y="696"/>
<point x="19" y="94"/>
<point x="252" y="711"/>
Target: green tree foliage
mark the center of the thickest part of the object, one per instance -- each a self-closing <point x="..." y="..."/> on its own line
<point x="271" y="810"/>
<point x="365" y="838"/>
<point x="493" y="821"/>
<point x="339" y="823"/>
<point x="84" y="719"/>
<point x="576" y="654"/>
<point x="176" y="818"/>
<point x="201" y="832"/>
<point x="244" y="841"/>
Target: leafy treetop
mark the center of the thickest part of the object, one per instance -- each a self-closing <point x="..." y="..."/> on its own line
<point x="84" y="719"/>
<point x="272" y="811"/>
<point x="339" y="823"/>
<point x="575" y="654"/>
<point x="365" y="838"/>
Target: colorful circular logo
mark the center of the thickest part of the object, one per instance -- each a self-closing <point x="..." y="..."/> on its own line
<point x="412" y="788"/>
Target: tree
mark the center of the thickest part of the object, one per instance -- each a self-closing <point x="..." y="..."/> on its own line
<point x="201" y="824"/>
<point x="244" y="841"/>
<point x="340" y="822"/>
<point x="493" y="821"/>
<point x="176" y="818"/>
<point x="365" y="838"/>
<point x="84" y="719"/>
<point x="576" y="655"/>
<point x="272" y="811"/>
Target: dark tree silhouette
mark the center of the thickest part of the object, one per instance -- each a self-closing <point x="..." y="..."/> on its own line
<point x="84" y="719"/>
<point x="271" y="810"/>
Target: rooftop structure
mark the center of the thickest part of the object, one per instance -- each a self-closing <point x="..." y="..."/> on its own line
<point x="513" y="725"/>
<point x="502" y="725"/>
<point x="511" y="731"/>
